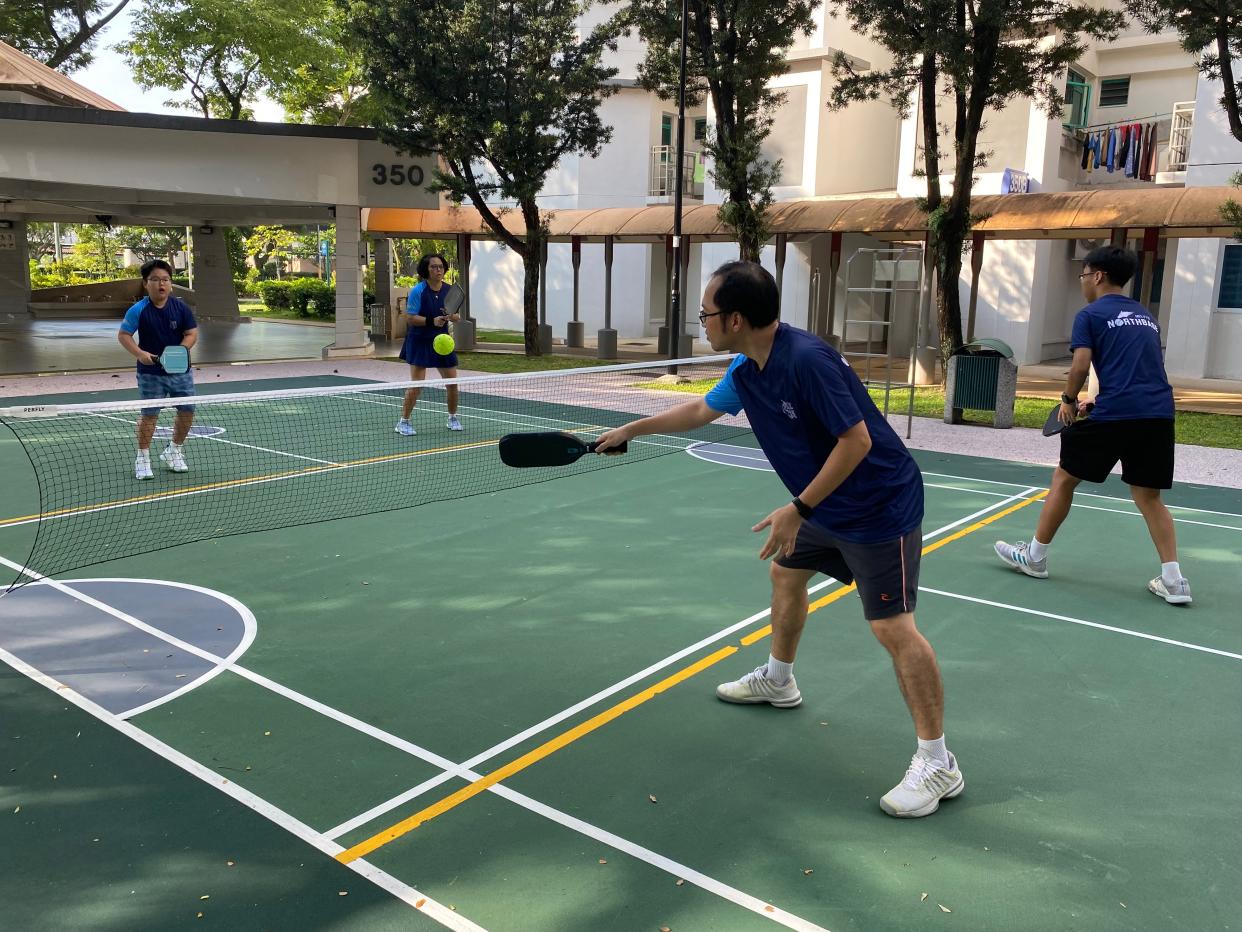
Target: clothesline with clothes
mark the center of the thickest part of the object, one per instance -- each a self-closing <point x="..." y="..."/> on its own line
<point x="1131" y="148"/>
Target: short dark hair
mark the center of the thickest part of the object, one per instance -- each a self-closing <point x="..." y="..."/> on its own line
<point x="425" y="261"/>
<point x="152" y="264"/>
<point x="1117" y="263"/>
<point x="749" y="289"/>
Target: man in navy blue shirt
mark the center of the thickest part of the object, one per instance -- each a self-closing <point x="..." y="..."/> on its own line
<point x="856" y="515"/>
<point x="160" y="321"/>
<point x="1131" y="421"/>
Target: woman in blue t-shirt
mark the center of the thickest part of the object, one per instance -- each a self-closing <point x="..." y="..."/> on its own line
<point x="425" y="320"/>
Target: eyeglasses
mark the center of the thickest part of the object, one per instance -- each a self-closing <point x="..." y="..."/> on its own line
<point x="1088" y="272"/>
<point x="703" y="315"/>
<point x="432" y="266"/>
<point x="159" y="281"/>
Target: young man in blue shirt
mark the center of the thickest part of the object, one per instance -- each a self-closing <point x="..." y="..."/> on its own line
<point x="1131" y="421"/>
<point x="856" y="516"/>
<point x="160" y="320"/>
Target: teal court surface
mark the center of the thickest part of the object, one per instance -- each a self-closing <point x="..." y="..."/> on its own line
<point x="496" y="709"/>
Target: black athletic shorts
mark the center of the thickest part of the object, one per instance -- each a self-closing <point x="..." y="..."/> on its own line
<point x="887" y="573"/>
<point x="1091" y="448"/>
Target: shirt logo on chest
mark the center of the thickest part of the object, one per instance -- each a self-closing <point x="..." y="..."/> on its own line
<point x="789" y="411"/>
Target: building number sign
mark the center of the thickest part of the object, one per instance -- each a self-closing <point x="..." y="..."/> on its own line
<point x="396" y="174"/>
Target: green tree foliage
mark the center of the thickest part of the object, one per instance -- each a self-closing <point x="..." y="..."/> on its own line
<point x="235" y="246"/>
<point x="153" y="242"/>
<point x="326" y="85"/>
<point x="734" y="49"/>
<point x="1210" y="30"/>
<point x="222" y="53"/>
<point x="502" y="90"/>
<point x="59" y="33"/>
<point x="983" y="55"/>
<point x="99" y="247"/>
<point x="272" y="244"/>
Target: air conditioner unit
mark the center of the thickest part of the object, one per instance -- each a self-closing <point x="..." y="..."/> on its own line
<point x="1079" y="248"/>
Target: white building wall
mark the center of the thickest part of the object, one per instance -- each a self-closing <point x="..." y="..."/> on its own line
<point x="1204" y="340"/>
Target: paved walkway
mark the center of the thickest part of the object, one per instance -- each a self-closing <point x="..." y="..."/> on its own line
<point x="59" y="346"/>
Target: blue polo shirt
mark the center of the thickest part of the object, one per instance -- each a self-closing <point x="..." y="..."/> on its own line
<point x="428" y="304"/>
<point x="798" y="404"/>
<point x="158" y="327"/>
<point x="1125" y="349"/>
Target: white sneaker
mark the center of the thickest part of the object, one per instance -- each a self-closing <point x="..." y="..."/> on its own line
<point x="924" y="785"/>
<point x="405" y="428"/>
<point x="1018" y="556"/>
<point x="453" y="423"/>
<point x="174" y="459"/>
<point x="1178" y="595"/>
<point x="142" y="468"/>
<point x="756" y="687"/>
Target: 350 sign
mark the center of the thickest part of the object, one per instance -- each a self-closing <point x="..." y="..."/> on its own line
<point x="396" y="174"/>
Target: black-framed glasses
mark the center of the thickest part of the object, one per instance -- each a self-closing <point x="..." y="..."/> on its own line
<point x="1088" y="272"/>
<point x="703" y="315"/>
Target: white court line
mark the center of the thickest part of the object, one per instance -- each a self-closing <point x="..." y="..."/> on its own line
<point x="514" y="740"/>
<point x="1087" y="624"/>
<point x="1136" y="514"/>
<point x="451" y="769"/>
<point x="1107" y="498"/>
<point x="235" y="443"/>
<point x="407" y="894"/>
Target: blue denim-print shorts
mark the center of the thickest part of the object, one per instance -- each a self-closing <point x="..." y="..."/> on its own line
<point x="158" y="385"/>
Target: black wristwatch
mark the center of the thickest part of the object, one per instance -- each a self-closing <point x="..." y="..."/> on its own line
<point x="803" y="508"/>
<point x="1067" y="400"/>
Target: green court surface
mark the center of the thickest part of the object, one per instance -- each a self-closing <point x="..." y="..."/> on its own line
<point x="561" y="642"/>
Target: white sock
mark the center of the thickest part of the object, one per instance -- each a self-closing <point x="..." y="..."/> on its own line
<point x="1171" y="573"/>
<point x="935" y="749"/>
<point x="779" y="672"/>
<point x="174" y="446"/>
<point x="404" y="420"/>
<point x="144" y="455"/>
<point x="1037" y="550"/>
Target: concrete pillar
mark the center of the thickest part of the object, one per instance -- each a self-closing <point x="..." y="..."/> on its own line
<point x="382" y="313"/>
<point x="606" y="338"/>
<point x="14" y="271"/>
<point x="575" y="333"/>
<point x="464" y="330"/>
<point x="351" y="336"/>
<point x="214" y="294"/>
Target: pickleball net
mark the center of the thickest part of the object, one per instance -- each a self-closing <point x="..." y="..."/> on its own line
<point x="259" y="461"/>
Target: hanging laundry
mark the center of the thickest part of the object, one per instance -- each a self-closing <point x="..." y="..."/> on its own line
<point x="1153" y="153"/>
<point x="1136" y="151"/>
<point x="1110" y="151"/>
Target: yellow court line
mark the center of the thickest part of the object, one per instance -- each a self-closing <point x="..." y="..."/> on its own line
<point x="393" y="832"/>
<point x="230" y="483"/>
<point x="478" y="786"/>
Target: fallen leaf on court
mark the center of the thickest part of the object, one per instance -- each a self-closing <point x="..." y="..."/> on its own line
<point x="807" y="871"/>
<point x="19" y="809"/>
<point x="770" y="909"/>
<point x="922" y="897"/>
<point x="266" y="734"/>
<point x="205" y="896"/>
<point x="665" y="929"/>
<point x="603" y="860"/>
<point x="342" y="893"/>
<point x="823" y="723"/>
<point x="180" y="676"/>
<point x="1124" y="906"/>
<point x="229" y="863"/>
<point x="652" y="798"/>
<point x="680" y="883"/>
<point x="943" y="908"/>
<point x="199" y="916"/>
<point x="247" y="768"/>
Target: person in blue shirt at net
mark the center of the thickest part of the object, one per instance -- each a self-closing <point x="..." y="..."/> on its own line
<point x="426" y="319"/>
<point x="856" y="515"/>
<point x="1131" y="421"/>
<point x="159" y="321"/>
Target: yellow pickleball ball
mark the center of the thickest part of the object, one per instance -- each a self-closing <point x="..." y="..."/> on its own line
<point x="443" y="344"/>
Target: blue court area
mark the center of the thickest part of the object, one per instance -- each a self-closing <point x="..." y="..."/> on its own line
<point x="496" y="710"/>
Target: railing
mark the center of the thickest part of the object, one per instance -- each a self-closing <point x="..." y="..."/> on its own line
<point x="1180" y="134"/>
<point x="662" y="175"/>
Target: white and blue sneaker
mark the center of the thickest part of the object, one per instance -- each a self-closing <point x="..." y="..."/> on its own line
<point x="1017" y="556"/>
<point x="1177" y="594"/>
<point x="756" y="687"/>
<point x="926" y="783"/>
<point x="142" y="467"/>
<point x="174" y="458"/>
<point x="453" y="423"/>
<point x="405" y="428"/>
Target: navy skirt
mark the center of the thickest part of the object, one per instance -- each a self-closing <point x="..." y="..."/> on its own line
<point x="420" y="353"/>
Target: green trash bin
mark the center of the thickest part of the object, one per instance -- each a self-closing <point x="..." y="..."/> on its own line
<point x="982" y="376"/>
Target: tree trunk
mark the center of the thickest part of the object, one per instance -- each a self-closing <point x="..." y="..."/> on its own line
<point x="530" y="296"/>
<point x="1230" y="97"/>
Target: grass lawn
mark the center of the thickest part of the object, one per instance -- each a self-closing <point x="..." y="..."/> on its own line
<point x="1193" y="427"/>
<point x="250" y="308"/>
<point x="500" y="336"/>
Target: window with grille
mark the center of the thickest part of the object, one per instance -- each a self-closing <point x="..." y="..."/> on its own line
<point x="1231" y="279"/>
<point x="1114" y="92"/>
